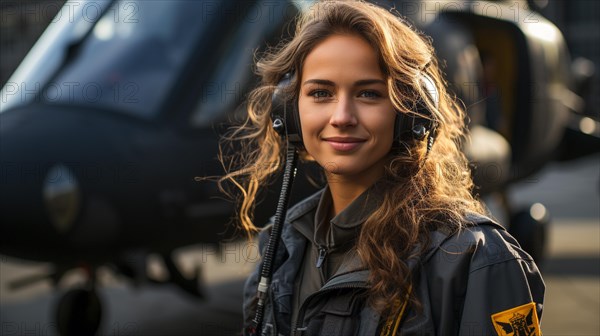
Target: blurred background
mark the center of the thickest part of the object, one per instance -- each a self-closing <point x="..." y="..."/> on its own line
<point x="110" y="110"/>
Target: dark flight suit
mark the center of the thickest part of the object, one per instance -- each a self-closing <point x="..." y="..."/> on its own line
<point x="475" y="282"/>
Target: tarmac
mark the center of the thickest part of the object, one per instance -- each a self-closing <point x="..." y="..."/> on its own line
<point x="570" y="192"/>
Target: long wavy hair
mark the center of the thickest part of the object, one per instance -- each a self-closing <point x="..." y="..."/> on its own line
<point x="424" y="190"/>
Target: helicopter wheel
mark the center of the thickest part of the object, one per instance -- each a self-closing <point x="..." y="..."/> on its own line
<point x="79" y="313"/>
<point x="529" y="227"/>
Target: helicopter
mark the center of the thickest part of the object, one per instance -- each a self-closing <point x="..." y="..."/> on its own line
<point x="119" y="106"/>
<point x="122" y="112"/>
<point x="525" y="98"/>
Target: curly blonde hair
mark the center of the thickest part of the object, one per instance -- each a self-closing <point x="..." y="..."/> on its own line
<point x="424" y="190"/>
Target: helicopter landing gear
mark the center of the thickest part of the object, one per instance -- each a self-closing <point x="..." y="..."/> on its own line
<point x="79" y="312"/>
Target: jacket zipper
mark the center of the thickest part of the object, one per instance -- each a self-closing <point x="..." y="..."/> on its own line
<point x="349" y="285"/>
<point x="322" y="255"/>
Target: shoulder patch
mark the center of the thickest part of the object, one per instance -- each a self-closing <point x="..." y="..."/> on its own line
<point x="518" y="321"/>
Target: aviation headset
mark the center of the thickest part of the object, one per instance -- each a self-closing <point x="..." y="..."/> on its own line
<point x="418" y="125"/>
<point x="286" y="122"/>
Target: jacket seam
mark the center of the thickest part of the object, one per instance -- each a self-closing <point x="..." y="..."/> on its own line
<point x="499" y="262"/>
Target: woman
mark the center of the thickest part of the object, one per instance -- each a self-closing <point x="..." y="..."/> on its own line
<point x="395" y="243"/>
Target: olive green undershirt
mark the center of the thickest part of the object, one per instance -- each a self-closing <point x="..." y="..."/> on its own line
<point x="337" y="236"/>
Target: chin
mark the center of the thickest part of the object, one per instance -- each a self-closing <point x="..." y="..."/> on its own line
<point x="340" y="170"/>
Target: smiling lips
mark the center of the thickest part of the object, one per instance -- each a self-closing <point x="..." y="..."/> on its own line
<point x="344" y="144"/>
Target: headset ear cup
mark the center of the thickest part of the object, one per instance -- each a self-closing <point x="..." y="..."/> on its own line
<point x="284" y="107"/>
<point x="420" y="124"/>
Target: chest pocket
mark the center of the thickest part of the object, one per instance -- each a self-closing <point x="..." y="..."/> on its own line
<point x="339" y="314"/>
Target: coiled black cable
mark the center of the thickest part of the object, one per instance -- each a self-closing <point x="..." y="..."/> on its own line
<point x="289" y="173"/>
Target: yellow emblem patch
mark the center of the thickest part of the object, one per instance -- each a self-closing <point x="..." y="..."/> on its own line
<point x="518" y="321"/>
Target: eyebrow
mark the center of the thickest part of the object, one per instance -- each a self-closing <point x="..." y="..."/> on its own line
<point x="361" y="82"/>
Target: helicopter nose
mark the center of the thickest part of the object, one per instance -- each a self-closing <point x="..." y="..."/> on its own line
<point x="40" y="197"/>
<point x="56" y="181"/>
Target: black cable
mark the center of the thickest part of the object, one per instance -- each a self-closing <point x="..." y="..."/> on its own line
<point x="289" y="173"/>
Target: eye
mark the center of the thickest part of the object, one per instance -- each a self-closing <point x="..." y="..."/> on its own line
<point x="320" y="94"/>
<point x="371" y="94"/>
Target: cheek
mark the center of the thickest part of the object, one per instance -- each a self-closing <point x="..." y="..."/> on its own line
<point x="310" y="135"/>
<point x="312" y="121"/>
<point x="384" y="127"/>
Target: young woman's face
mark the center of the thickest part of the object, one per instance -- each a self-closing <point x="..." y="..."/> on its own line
<point x="346" y="114"/>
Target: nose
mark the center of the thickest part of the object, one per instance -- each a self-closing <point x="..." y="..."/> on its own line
<point x="344" y="114"/>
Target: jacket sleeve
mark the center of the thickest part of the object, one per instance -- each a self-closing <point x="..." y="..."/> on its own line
<point x="251" y="284"/>
<point x="504" y="292"/>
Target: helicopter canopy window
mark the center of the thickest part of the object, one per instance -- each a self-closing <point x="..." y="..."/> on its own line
<point x="232" y="77"/>
<point x="131" y="58"/>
